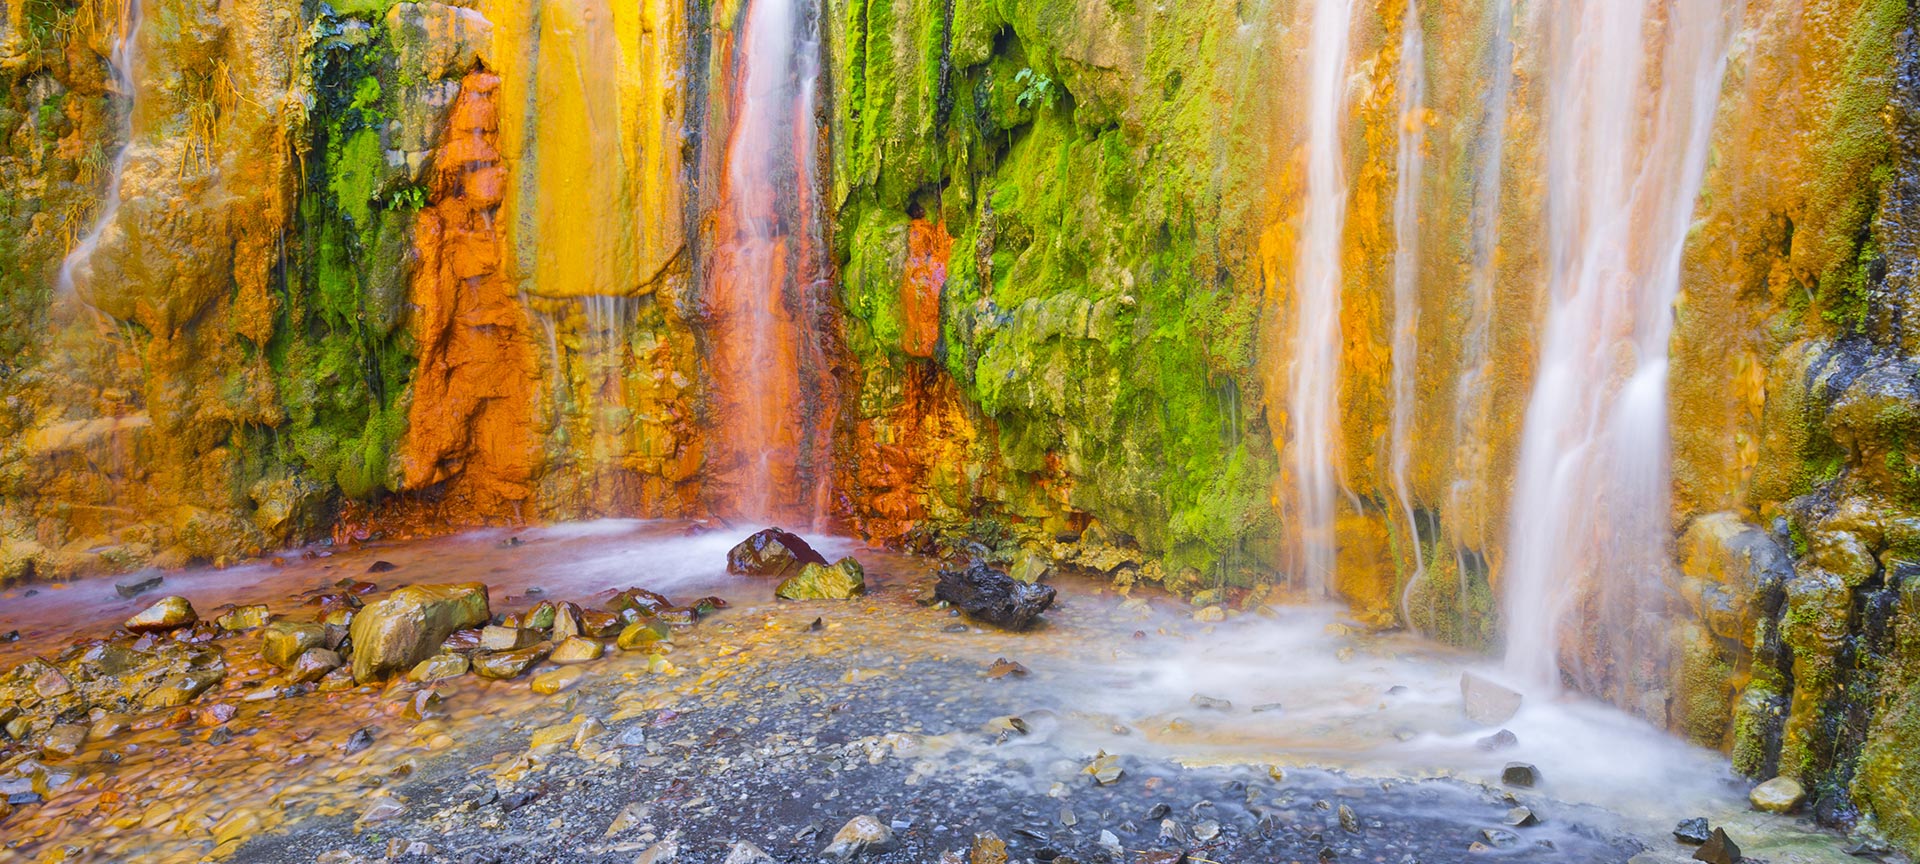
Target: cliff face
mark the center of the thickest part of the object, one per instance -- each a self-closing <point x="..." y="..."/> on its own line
<point x="395" y="267"/>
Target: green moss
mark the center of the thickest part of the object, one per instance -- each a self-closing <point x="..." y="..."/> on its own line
<point x="1856" y="151"/>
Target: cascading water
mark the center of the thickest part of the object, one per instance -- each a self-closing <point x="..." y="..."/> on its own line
<point x="123" y="58"/>
<point x="1591" y="497"/>
<point x="1410" y="163"/>
<point x="1315" y="374"/>
<point x="766" y="268"/>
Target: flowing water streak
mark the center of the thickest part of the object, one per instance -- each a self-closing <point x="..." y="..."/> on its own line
<point x="1315" y="374"/>
<point x="122" y="59"/>
<point x="1590" y="503"/>
<point x="1409" y="165"/>
<point x="764" y="266"/>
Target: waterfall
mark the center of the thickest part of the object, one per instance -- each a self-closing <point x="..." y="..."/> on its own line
<point x="1409" y="165"/>
<point x="1315" y="375"/>
<point x="1590" y="505"/>
<point x="122" y="59"/>
<point x="766" y="268"/>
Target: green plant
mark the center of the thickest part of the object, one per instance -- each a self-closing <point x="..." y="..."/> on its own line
<point x="1036" y="89"/>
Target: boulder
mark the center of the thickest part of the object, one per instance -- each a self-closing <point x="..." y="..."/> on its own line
<point x="169" y="613"/>
<point x="1779" y="795"/>
<point x="577" y="649"/>
<point x="409" y="625"/>
<point x="1487" y="703"/>
<point x="772" y="552"/>
<point x="992" y="597"/>
<point x="842" y="580"/>
<point x="282" y="642"/>
<point x="501" y="665"/>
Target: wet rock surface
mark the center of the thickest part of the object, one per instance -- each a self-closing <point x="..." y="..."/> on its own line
<point x="987" y="595"/>
<point x="772" y="552"/>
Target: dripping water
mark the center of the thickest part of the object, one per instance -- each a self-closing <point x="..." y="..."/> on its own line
<point x="1315" y="372"/>
<point x="122" y="60"/>
<point x="1590" y="503"/>
<point x="1410" y="163"/>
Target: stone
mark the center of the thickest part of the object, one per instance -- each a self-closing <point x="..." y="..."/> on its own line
<point x="1779" y="795"/>
<point x="576" y="649"/>
<point x="168" y="613"/>
<point x="409" y="625"/>
<point x="140" y="583"/>
<point x="663" y="852"/>
<point x="1210" y="615"/>
<point x="1521" y="817"/>
<point x="600" y="625"/>
<point x="642" y="635"/>
<point x="772" y="552"/>
<point x="1487" y="703"/>
<point x="1693" y="832"/>
<point x="501" y="665"/>
<point x="1500" y="740"/>
<point x="282" y="642"/>
<point x="1031" y="567"/>
<point x="549" y="683"/>
<point x="181" y="688"/>
<point x="1210" y="703"/>
<point x="244" y="618"/>
<point x="539" y="617"/>
<point x="439" y="667"/>
<point x="987" y="848"/>
<point x="64" y="740"/>
<point x="1719" y="849"/>
<point x="1520" y="774"/>
<point x="566" y="622"/>
<point x="313" y="665"/>
<point x="638" y="600"/>
<point x="843" y="580"/>
<point x="860" y="834"/>
<point x="506" y="638"/>
<point x="743" y="852"/>
<point x="992" y="597"/>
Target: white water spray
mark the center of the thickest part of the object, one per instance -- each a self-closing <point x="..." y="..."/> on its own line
<point x="122" y="60"/>
<point x="1410" y="165"/>
<point x="1590" y="501"/>
<point x="1315" y="374"/>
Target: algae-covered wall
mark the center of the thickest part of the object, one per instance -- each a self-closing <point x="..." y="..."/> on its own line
<point x="389" y="268"/>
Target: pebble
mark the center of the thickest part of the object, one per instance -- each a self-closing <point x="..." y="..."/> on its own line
<point x="1693" y="831"/>
<point x="1520" y="774"/>
<point x="861" y="834"/>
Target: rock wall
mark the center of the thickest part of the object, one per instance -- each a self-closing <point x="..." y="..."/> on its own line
<point x="396" y="267"/>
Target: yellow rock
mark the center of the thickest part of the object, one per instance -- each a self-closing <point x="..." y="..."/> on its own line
<point x="549" y="683"/>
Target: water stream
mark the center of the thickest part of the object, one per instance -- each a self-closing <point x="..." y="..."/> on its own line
<point x="1409" y="165"/>
<point x="123" y="60"/>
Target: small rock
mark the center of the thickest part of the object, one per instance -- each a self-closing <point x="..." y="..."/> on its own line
<point x="549" y="683"/>
<point x="313" y="665"/>
<point x="861" y="834"/>
<point x="1693" y="832"/>
<point x="439" y="667"/>
<point x="663" y="852"/>
<point x="502" y="665"/>
<point x="642" y="635"/>
<point x="140" y="583"/>
<point x="1719" y="849"/>
<point x="538" y="618"/>
<point x="987" y="848"/>
<point x="988" y="595"/>
<point x="1206" y="831"/>
<point x="244" y="618"/>
<point x="64" y="740"/>
<point x="1487" y="703"/>
<point x="382" y="567"/>
<point x="1003" y="667"/>
<point x="282" y="642"/>
<point x="1267" y="706"/>
<point x="1521" y="817"/>
<point x="1348" y="821"/>
<point x="361" y="739"/>
<point x="843" y="580"/>
<point x="772" y="552"/>
<point x="1210" y="615"/>
<point x="1520" y="774"/>
<point x="1779" y="795"/>
<point x="1500" y="839"/>
<point x="169" y="613"/>
<point x="577" y="649"/>
<point x="566" y="622"/>
<point x="506" y="638"/>
<point x="1105" y="769"/>
<point x="600" y="625"/>
<point x="1210" y="703"/>
<point x="1500" y="740"/>
<point x="743" y="852"/>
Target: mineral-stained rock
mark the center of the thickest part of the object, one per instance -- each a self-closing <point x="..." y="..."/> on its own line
<point x="600" y="625"/>
<point x="556" y="680"/>
<point x="439" y="667"/>
<point x="1520" y="774"/>
<point x="64" y="740"/>
<point x="539" y="617"/>
<point x="244" y="618"/>
<point x="566" y="622"/>
<point x="641" y="635"/>
<point x="861" y="834"/>
<point x="169" y="613"/>
<point x="638" y="600"/>
<point x="313" y="665"/>
<point x="1487" y="703"/>
<point x="282" y="642"/>
<point x="181" y="688"/>
<point x="990" y="596"/>
<point x="410" y="624"/>
<point x="506" y="638"/>
<point x="501" y="665"/>
<point x="1719" y="849"/>
<point x="987" y="848"/>
<point x="576" y="649"/>
<point x="1779" y="795"/>
<point x="772" y="552"/>
<point x="842" y="580"/>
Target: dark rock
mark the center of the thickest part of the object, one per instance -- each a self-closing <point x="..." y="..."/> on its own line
<point x="382" y="567"/>
<point x="1520" y="774"/>
<point x="141" y="583"/>
<point x="361" y="739"/>
<point x="1719" y="849"/>
<point x="1500" y="740"/>
<point x="993" y="597"/>
<point x="638" y="600"/>
<point x="772" y="552"/>
<point x="1693" y="832"/>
